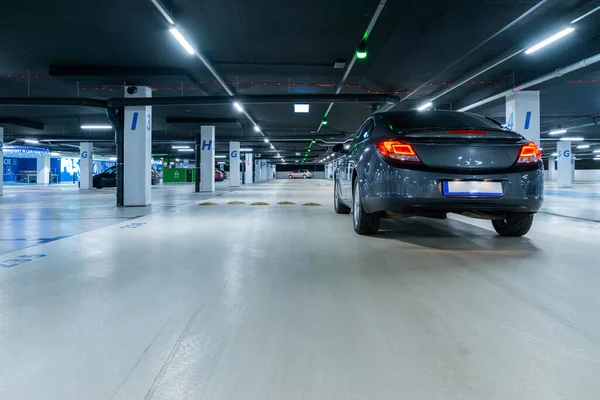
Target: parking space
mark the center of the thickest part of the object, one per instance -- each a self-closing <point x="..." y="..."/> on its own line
<point x="223" y="301"/>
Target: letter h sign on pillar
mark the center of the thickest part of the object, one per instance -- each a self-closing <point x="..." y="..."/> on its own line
<point x="207" y="159"/>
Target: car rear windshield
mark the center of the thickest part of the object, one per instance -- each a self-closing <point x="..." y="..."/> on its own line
<point x="439" y="119"/>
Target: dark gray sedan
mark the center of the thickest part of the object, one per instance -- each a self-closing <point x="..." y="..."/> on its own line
<point x="431" y="163"/>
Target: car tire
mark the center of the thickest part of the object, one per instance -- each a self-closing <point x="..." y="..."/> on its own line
<point x="338" y="206"/>
<point x="364" y="223"/>
<point x="304" y="176"/>
<point x="514" y="225"/>
<point x="290" y="176"/>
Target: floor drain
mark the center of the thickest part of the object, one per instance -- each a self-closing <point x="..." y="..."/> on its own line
<point x="311" y="204"/>
<point x="259" y="203"/>
<point x="237" y="202"/>
<point x="286" y="203"/>
<point x="207" y="204"/>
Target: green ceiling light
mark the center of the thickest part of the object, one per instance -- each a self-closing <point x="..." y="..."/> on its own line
<point x="314" y="141"/>
<point x="309" y="150"/>
<point x="324" y="120"/>
<point x="361" y="52"/>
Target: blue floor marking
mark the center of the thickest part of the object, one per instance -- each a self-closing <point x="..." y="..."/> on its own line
<point x="581" y="195"/>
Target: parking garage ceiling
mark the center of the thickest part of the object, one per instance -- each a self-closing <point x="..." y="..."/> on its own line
<point x="415" y="50"/>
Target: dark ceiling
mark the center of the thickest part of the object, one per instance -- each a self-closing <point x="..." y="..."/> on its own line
<point x="417" y="49"/>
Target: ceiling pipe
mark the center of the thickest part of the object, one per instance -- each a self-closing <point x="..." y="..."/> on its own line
<point x="370" y="27"/>
<point x="556" y="74"/>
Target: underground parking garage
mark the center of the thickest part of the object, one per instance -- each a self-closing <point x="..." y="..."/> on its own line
<point x="368" y="199"/>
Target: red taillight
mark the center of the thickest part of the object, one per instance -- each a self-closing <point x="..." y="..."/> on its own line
<point x="397" y="150"/>
<point x="468" y="132"/>
<point x="530" y="153"/>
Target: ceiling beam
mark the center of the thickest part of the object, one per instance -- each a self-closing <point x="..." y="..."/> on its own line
<point x="25" y="123"/>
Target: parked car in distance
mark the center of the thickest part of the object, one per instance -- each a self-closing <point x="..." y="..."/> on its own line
<point x="108" y="178"/>
<point x="300" y="173"/>
<point x="431" y="163"/>
<point x="219" y="175"/>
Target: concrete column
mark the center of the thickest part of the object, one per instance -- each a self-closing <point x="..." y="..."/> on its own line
<point x="86" y="165"/>
<point x="269" y="173"/>
<point x="249" y="168"/>
<point x="565" y="158"/>
<point x="43" y="170"/>
<point x="551" y="169"/>
<point x="263" y="171"/>
<point x="1" y="161"/>
<point x="257" y="173"/>
<point x="274" y="171"/>
<point x="137" y="151"/>
<point x="207" y="159"/>
<point x="234" y="164"/>
<point x="523" y="114"/>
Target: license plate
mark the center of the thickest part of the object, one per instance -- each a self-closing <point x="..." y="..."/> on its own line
<point x="472" y="188"/>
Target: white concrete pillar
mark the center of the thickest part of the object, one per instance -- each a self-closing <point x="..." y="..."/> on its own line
<point x="565" y="158"/>
<point x="249" y="168"/>
<point x="551" y="169"/>
<point x="257" y="169"/>
<point x="523" y="114"/>
<point x="86" y="165"/>
<point x="207" y="159"/>
<point x="43" y="170"/>
<point x="1" y="161"/>
<point x="137" y="151"/>
<point x="263" y="171"/>
<point x="234" y="164"/>
<point x="269" y="172"/>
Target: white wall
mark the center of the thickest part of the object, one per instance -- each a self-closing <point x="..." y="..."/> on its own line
<point x="587" y="175"/>
<point x="583" y="175"/>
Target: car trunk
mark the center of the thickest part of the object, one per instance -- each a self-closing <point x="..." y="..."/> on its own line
<point x="471" y="150"/>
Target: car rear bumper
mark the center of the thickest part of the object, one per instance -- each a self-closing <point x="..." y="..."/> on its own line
<point x="407" y="191"/>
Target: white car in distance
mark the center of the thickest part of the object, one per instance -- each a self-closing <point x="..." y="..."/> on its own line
<point x="300" y="173"/>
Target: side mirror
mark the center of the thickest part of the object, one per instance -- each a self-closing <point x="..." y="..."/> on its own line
<point x="339" y="148"/>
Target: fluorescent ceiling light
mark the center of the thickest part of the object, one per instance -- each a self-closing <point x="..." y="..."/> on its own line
<point x="554" y="154"/>
<point x="164" y="12"/>
<point x="583" y="146"/>
<point x="257" y="128"/>
<point x="597" y="151"/>
<point x="55" y="154"/>
<point x="425" y="106"/>
<point x="572" y="139"/>
<point x="185" y="150"/>
<point x="184" y="43"/>
<point x="551" y="39"/>
<point x="220" y="156"/>
<point x="177" y="159"/>
<point x="557" y="132"/>
<point x="245" y="149"/>
<point x="113" y="158"/>
<point x="266" y="140"/>
<point x="32" y="141"/>
<point x="96" y="126"/>
<point x="180" y="147"/>
<point x="301" y="108"/>
<point x="238" y="106"/>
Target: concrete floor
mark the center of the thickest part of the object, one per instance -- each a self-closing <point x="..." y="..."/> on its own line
<point x="287" y="302"/>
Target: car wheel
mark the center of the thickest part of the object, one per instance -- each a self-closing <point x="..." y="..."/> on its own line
<point x="338" y="206"/>
<point x="364" y="223"/>
<point x="304" y="176"/>
<point x="290" y="176"/>
<point x="515" y="224"/>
